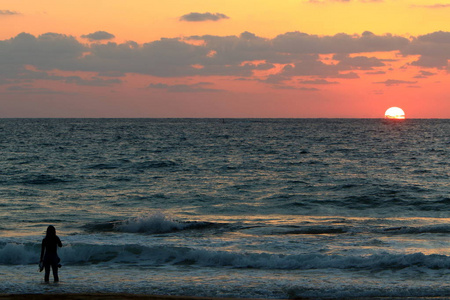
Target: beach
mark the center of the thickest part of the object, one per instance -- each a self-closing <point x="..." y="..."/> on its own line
<point x="98" y="296"/>
<point x="120" y="296"/>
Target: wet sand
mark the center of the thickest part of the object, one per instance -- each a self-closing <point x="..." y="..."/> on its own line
<point x="109" y="296"/>
<point x="119" y="296"/>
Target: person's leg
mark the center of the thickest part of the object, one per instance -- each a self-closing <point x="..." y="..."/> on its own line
<point x="55" y="272"/>
<point x="47" y="272"/>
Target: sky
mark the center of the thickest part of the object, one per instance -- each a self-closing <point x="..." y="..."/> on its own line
<point x="224" y="59"/>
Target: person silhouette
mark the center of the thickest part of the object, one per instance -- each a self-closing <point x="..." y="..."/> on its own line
<point x="49" y="254"/>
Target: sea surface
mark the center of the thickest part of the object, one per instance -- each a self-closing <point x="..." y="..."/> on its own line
<point x="260" y="208"/>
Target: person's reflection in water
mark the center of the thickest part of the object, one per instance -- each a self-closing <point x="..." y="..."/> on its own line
<point x="49" y="253"/>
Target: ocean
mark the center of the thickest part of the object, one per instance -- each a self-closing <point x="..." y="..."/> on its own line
<point x="254" y="208"/>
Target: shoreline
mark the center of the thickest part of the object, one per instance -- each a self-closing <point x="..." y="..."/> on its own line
<point x="128" y="296"/>
<point x="113" y="296"/>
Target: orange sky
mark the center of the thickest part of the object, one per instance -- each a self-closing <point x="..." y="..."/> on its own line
<point x="203" y="58"/>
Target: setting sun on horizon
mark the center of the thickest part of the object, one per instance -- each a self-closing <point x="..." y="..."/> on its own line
<point x="289" y="59"/>
<point x="394" y="113"/>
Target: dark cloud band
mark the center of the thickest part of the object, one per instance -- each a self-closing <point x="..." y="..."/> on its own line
<point x="99" y="36"/>
<point x="294" y="54"/>
<point x="8" y="13"/>
<point x="202" y="17"/>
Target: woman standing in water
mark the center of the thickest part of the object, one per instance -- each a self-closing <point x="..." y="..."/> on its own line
<point x="49" y="253"/>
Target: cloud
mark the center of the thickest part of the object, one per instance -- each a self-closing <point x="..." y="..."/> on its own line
<point x="237" y="49"/>
<point x="358" y="62"/>
<point x="184" y="88"/>
<point x="311" y="65"/>
<point x="349" y="75"/>
<point x="432" y="6"/>
<point x="317" y="81"/>
<point x="222" y="56"/>
<point x="275" y="79"/>
<point x="112" y="74"/>
<point x="376" y="73"/>
<point x="8" y="13"/>
<point x="391" y="82"/>
<point x="433" y="48"/>
<point x="342" y="1"/>
<point x="24" y="75"/>
<point x="163" y="58"/>
<point x="290" y="87"/>
<point x="327" y="1"/>
<point x="435" y="37"/>
<point x="202" y="17"/>
<point x="308" y="89"/>
<point x="47" y="51"/>
<point x="424" y="74"/>
<point x="99" y="36"/>
<point x="215" y="55"/>
<point x="273" y="61"/>
<point x="299" y="42"/>
<point x="430" y="61"/>
<point x="94" y="81"/>
<point x="28" y="88"/>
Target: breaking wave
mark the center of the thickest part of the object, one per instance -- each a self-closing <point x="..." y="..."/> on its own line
<point x="19" y="254"/>
<point x="149" y="224"/>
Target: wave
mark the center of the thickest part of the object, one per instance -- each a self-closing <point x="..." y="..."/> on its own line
<point x="154" y="164"/>
<point x="316" y="230"/>
<point x="42" y="179"/>
<point x="321" y="229"/>
<point x="395" y="201"/>
<point x="441" y="228"/>
<point x="74" y="254"/>
<point x="432" y="229"/>
<point x="149" y="224"/>
<point x="104" y="166"/>
<point x="125" y="163"/>
<point x="159" y="223"/>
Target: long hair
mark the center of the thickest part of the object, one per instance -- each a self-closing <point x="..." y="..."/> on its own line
<point x="51" y="232"/>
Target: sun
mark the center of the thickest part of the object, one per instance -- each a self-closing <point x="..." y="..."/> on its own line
<point x="394" y="113"/>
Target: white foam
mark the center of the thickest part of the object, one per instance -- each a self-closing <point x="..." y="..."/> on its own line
<point x="155" y="223"/>
<point x="20" y="254"/>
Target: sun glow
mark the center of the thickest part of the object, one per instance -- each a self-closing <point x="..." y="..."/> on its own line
<point x="394" y="113"/>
